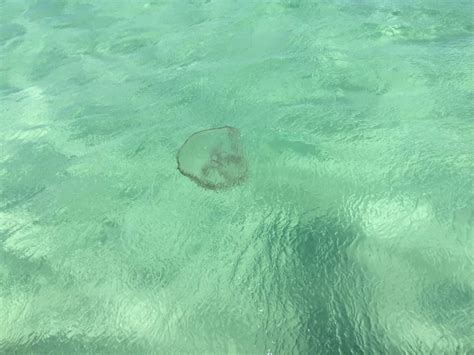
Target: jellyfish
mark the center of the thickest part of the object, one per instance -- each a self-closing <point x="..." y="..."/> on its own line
<point x="213" y="158"/>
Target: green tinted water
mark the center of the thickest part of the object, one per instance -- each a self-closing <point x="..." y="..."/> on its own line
<point x="353" y="232"/>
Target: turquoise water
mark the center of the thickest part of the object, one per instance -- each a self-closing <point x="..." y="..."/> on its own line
<point x="353" y="232"/>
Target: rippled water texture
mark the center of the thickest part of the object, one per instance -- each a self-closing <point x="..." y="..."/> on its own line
<point x="352" y="233"/>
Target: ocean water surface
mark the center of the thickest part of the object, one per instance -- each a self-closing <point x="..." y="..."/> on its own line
<point x="352" y="233"/>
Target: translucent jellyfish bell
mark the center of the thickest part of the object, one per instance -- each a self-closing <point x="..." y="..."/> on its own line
<point x="213" y="158"/>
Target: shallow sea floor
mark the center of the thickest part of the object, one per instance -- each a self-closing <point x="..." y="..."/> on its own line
<point x="353" y="232"/>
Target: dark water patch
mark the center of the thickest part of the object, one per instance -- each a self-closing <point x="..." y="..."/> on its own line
<point x="37" y="343"/>
<point x="47" y="62"/>
<point x="31" y="170"/>
<point x="448" y="303"/>
<point x="45" y="9"/>
<point x="9" y="31"/>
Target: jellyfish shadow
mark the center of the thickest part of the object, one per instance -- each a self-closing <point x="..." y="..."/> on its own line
<point x="213" y="158"/>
